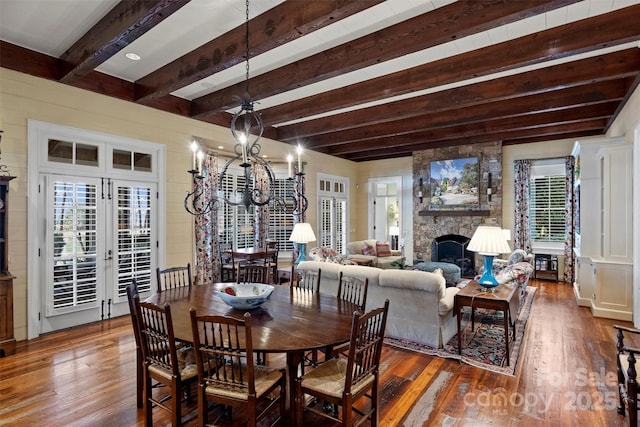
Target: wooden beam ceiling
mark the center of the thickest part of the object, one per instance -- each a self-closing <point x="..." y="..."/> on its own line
<point x="570" y="99"/>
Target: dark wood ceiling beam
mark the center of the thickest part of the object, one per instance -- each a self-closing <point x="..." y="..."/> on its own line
<point x="282" y="24"/>
<point x="527" y="140"/>
<point x="544" y="138"/>
<point x="549" y="132"/>
<point x="587" y="35"/>
<point x="127" y="21"/>
<point x="444" y="24"/>
<point x="27" y="61"/>
<point x="571" y="97"/>
<point x="518" y="123"/>
<point x="616" y="65"/>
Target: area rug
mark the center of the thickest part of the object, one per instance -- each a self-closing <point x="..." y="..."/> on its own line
<point x="484" y="346"/>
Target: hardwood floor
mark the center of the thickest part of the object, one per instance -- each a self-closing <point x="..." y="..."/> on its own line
<point x="565" y="376"/>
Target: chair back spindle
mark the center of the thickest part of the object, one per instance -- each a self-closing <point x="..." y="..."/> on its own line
<point x="173" y="277"/>
<point x="354" y="290"/>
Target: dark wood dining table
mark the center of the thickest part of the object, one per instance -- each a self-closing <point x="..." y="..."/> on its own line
<point x="252" y="254"/>
<point x="293" y="321"/>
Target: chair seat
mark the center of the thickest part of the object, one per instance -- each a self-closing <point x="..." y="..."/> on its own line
<point x="328" y="379"/>
<point x="265" y="378"/>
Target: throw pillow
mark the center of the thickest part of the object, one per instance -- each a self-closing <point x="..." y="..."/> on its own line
<point x="383" y="249"/>
<point x="518" y="255"/>
<point x="368" y="250"/>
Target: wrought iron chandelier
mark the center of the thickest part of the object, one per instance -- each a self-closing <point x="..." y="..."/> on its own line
<point x="258" y="188"/>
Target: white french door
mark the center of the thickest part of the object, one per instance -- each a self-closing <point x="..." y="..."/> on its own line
<point x="94" y="224"/>
<point x="99" y="237"/>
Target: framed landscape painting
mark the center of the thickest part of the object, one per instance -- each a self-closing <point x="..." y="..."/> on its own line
<point x="454" y="183"/>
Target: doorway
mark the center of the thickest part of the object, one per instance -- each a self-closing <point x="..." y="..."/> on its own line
<point x="386" y="209"/>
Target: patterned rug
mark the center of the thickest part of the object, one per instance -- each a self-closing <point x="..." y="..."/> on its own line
<point x="483" y="347"/>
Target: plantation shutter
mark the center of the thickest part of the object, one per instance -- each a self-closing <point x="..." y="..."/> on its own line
<point x="547" y="209"/>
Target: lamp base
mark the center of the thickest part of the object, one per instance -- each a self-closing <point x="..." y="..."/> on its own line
<point x="302" y="248"/>
<point x="488" y="280"/>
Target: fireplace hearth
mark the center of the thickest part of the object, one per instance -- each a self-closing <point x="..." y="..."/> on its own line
<point x="452" y="248"/>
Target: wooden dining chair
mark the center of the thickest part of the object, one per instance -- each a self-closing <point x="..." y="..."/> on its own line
<point x="235" y="380"/>
<point x="271" y="259"/>
<point x="228" y="264"/>
<point x="132" y="292"/>
<point x="353" y="290"/>
<point x="344" y="382"/>
<point x="306" y="279"/>
<point x="173" y="277"/>
<point x="627" y="356"/>
<point x="253" y="273"/>
<point x="163" y="362"/>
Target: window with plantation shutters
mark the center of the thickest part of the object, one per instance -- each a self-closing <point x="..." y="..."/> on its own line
<point x="547" y="208"/>
<point x="281" y="222"/>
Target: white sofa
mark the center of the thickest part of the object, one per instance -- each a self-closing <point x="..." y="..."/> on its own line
<point x="420" y="304"/>
<point x="354" y="250"/>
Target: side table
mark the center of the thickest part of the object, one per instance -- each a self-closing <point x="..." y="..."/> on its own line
<point x="503" y="298"/>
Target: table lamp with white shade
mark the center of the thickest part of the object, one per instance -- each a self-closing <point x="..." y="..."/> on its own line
<point x="488" y="242"/>
<point x="302" y="234"/>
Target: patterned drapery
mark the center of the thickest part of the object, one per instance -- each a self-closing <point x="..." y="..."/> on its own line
<point x="522" y="234"/>
<point x="261" y="222"/>
<point x="298" y="195"/>
<point x="207" y="268"/>
<point x="569" y="219"/>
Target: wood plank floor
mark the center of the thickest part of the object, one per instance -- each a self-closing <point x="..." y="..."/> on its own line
<point x="565" y="376"/>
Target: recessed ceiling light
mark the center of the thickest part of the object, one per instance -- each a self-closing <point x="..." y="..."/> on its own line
<point x="220" y="147"/>
<point x="133" y="56"/>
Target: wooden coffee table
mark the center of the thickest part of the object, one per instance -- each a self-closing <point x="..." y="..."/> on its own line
<point x="362" y="261"/>
<point x="503" y="298"/>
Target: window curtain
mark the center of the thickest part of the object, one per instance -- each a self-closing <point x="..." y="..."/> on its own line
<point x="207" y="268"/>
<point x="298" y="195"/>
<point x="569" y="220"/>
<point x="261" y="223"/>
<point x="522" y="233"/>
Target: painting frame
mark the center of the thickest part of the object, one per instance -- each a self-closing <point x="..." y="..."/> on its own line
<point x="454" y="184"/>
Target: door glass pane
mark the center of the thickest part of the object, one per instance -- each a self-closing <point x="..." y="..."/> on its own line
<point x="60" y="151"/>
<point x="74" y="246"/>
<point x="134" y="237"/>
<point x="142" y="162"/>
<point x="86" y="155"/>
<point x="121" y="159"/>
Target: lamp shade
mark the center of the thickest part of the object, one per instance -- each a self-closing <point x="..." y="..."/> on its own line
<point x="302" y="233"/>
<point x="394" y="231"/>
<point x="489" y="241"/>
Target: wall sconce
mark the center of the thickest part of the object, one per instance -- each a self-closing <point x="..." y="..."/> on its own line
<point x="489" y="187"/>
<point x="420" y="190"/>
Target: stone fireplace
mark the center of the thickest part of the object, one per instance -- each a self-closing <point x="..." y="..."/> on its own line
<point x="452" y="248"/>
<point x="429" y="222"/>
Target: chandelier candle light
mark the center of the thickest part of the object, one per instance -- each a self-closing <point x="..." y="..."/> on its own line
<point x="488" y="242"/>
<point x="258" y="188"/>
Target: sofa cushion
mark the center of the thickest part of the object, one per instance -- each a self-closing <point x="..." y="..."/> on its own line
<point x="411" y="279"/>
<point x="516" y="256"/>
<point x="361" y="272"/>
<point x="383" y="249"/>
<point x="519" y="272"/>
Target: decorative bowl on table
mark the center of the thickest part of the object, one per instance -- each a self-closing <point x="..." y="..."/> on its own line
<point x="245" y="296"/>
